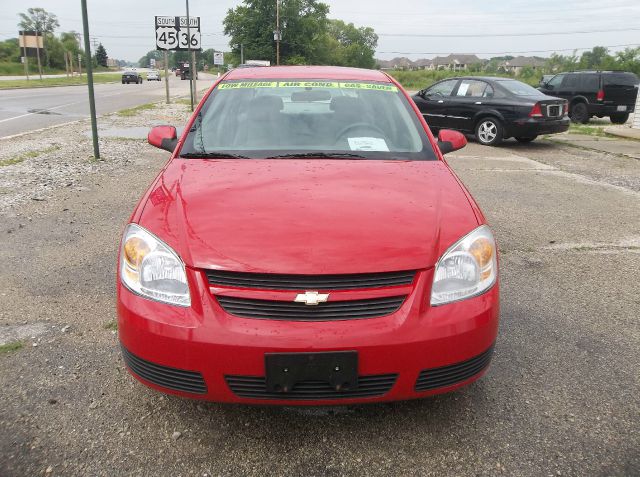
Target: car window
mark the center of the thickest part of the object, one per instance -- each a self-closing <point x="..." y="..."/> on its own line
<point x="444" y="88"/>
<point x="262" y="119"/>
<point x="571" y="81"/>
<point x="620" y="79"/>
<point x="474" y="89"/>
<point x="519" y="88"/>
<point x="589" y="82"/>
<point x="556" y="81"/>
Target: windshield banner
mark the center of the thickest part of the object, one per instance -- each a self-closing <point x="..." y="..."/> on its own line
<point x="308" y="84"/>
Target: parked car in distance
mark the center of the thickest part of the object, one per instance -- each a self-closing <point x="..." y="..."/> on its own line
<point x="595" y="93"/>
<point x="177" y="71"/>
<point x="131" y="77"/>
<point x="492" y="108"/>
<point x="153" y="75"/>
<point x="306" y="244"/>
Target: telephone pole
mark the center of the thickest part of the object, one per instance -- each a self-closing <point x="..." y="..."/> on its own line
<point x="191" y="72"/>
<point x="277" y="32"/>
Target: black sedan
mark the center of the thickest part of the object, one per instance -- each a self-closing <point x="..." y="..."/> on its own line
<point x="492" y="108"/>
<point x="131" y="77"/>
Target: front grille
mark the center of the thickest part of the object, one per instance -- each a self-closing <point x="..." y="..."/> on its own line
<point x="256" y="387"/>
<point x="271" y="281"/>
<point x="328" y="311"/>
<point x="449" y="375"/>
<point x="171" y="378"/>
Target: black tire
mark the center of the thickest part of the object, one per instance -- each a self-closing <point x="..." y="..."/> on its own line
<point x="579" y="113"/>
<point x="525" y="139"/>
<point x="123" y="82"/>
<point x="619" y="118"/>
<point x="489" y="131"/>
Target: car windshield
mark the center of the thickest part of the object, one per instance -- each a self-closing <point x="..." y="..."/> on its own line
<point x="321" y="118"/>
<point x="519" y="89"/>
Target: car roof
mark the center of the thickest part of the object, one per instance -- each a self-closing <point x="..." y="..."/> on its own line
<point x="307" y="72"/>
<point x="482" y="78"/>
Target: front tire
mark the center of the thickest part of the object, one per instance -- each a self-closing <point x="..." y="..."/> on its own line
<point x="619" y="118"/>
<point x="489" y="132"/>
<point x="525" y="139"/>
<point x="579" y="113"/>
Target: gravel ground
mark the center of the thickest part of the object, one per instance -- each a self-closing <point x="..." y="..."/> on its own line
<point x="561" y="396"/>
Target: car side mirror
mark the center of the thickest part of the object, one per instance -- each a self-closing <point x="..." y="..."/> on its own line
<point x="449" y="141"/>
<point x="163" y="137"/>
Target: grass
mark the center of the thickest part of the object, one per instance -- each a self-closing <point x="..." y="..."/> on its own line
<point x="27" y="155"/>
<point x="111" y="325"/>
<point x="34" y="82"/>
<point x="182" y="101"/>
<point x="7" y="348"/>
<point x="419" y="79"/>
<point x="587" y="130"/>
<point x="135" y="110"/>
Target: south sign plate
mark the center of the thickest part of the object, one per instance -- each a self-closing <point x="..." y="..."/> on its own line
<point x="171" y="33"/>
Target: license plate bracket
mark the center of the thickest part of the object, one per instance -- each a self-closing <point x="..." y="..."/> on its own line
<point x="621" y="108"/>
<point x="337" y="368"/>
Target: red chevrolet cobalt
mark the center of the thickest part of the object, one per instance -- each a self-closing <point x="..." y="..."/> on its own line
<point x="307" y="244"/>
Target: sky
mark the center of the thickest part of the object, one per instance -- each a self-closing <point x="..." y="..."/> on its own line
<point x="411" y="28"/>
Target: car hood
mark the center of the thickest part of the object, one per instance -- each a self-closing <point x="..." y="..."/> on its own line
<point x="308" y="216"/>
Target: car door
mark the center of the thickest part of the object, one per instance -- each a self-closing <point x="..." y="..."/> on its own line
<point x="471" y="97"/>
<point x="553" y="87"/>
<point x="432" y="102"/>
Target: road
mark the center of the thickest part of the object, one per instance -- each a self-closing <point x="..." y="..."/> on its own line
<point x="561" y="396"/>
<point x="23" y="110"/>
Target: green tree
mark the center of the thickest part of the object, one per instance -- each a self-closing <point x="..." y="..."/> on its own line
<point x="101" y="55"/>
<point x="38" y="19"/>
<point x="302" y="24"/>
<point x="597" y="58"/>
<point x="9" y="50"/>
<point x="349" y="45"/>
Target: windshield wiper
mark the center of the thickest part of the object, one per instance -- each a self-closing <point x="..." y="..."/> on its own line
<point x="211" y="155"/>
<point x="323" y="155"/>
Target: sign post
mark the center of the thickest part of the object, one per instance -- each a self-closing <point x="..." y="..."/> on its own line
<point x="166" y="74"/>
<point x="30" y="42"/>
<point x="180" y="34"/>
<point x="92" y="102"/>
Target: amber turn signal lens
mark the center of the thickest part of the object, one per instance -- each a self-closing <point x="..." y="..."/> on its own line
<point x="482" y="250"/>
<point x="135" y="250"/>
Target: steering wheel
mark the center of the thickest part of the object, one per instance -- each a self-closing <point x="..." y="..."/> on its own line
<point x="370" y="126"/>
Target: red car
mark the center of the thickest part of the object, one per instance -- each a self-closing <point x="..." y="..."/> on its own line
<point x="307" y="244"/>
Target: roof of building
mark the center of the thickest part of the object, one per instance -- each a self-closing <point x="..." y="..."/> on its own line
<point x="456" y="59"/>
<point x="307" y="72"/>
<point x="521" y="61"/>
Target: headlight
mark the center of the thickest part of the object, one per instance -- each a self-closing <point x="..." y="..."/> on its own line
<point x="151" y="269"/>
<point x="467" y="269"/>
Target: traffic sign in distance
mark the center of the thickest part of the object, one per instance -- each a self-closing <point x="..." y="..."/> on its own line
<point x="171" y="33"/>
<point x="218" y="58"/>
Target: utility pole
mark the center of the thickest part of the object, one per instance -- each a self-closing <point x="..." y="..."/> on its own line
<point x="92" y="102"/>
<point x="277" y="32"/>
<point x="241" y="54"/>
<point x="191" y="72"/>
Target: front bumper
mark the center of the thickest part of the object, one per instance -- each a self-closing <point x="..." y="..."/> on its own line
<point x="417" y="351"/>
<point x="530" y="127"/>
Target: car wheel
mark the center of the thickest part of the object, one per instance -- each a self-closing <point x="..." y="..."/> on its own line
<point x="123" y="82"/>
<point x="579" y="113"/>
<point x="620" y="118"/>
<point x="525" y="139"/>
<point x="489" y="132"/>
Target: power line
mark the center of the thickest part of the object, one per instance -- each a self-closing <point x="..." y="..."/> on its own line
<point x="492" y="35"/>
<point x="500" y="52"/>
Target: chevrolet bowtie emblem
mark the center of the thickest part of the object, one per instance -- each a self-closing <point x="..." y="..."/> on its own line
<point x="311" y="298"/>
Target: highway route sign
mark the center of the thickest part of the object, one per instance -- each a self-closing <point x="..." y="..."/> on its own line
<point x="171" y="33"/>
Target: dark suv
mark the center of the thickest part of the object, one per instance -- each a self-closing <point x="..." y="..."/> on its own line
<point x="595" y="93"/>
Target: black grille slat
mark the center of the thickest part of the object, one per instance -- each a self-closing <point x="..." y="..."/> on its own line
<point x="309" y="282"/>
<point x="171" y="378"/>
<point x="453" y="374"/>
<point x="256" y="387"/>
<point x="292" y="311"/>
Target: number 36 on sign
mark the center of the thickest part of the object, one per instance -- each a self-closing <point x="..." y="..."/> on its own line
<point x="172" y="33"/>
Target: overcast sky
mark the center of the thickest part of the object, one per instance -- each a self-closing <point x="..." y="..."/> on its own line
<point x="125" y="27"/>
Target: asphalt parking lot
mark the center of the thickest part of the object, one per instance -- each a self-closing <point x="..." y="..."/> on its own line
<point x="561" y="396"/>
